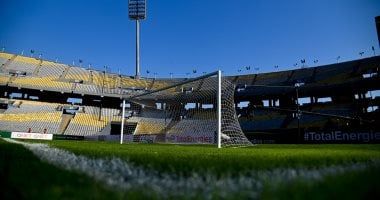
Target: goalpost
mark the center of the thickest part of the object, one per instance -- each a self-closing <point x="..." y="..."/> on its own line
<point x="195" y="111"/>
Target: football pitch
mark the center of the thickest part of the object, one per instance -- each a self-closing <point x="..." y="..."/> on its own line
<point x="99" y="170"/>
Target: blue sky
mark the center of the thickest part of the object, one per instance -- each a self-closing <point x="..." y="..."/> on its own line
<point x="179" y="36"/>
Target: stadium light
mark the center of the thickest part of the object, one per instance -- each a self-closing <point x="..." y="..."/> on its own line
<point x="373" y="49"/>
<point x="303" y="61"/>
<point x="137" y="12"/>
<point x="337" y="59"/>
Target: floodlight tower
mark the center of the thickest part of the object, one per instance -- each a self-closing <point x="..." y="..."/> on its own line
<point x="137" y="12"/>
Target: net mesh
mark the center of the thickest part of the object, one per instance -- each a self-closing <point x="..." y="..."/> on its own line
<point x="186" y="113"/>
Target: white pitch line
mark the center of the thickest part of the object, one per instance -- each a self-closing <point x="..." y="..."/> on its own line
<point x="126" y="176"/>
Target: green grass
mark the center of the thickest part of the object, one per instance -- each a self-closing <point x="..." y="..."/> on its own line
<point x="353" y="185"/>
<point x="186" y="159"/>
<point x="25" y="175"/>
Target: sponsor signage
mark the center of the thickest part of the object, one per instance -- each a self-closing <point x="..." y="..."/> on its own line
<point x="191" y="138"/>
<point x="342" y="137"/>
<point x="32" y="136"/>
<point x="290" y="136"/>
<point x="67" y="137"/>
<point x="173" y="138"/>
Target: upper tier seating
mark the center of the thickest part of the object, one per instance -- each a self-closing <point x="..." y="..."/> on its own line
<point x="5" y="57"/>
<point x="51" y="69"/>
<point x="24" y="64"/>
<point x="76" y="73"/>
<point x="45" y="83"/>
<point x="31" y="107"/>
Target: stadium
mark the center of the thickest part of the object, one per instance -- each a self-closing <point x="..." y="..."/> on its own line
<point x="83" y="133"/>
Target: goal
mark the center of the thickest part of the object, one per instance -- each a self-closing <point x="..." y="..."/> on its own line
<point x="195" y="111"/>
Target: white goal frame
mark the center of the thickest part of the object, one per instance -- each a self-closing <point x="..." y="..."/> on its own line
<point x="218" y="106"/>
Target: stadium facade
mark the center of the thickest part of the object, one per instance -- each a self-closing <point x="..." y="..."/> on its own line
<point x="324" y="104"/>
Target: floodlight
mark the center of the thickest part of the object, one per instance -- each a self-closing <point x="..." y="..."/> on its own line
<point x="137" y="12"/>
<point x="137" y="9"/>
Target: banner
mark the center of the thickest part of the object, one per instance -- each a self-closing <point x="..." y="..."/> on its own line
<point x="342" y="137"/>
<point x="291" y="136"/>
<point x="67" y="137"/>
<point x="204" y="138"/>
<point x="32" y="136"/>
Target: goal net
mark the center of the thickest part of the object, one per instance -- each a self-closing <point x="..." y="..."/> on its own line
<point x="196" y="111"/>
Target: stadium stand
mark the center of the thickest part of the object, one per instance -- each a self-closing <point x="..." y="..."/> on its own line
<point x="5" y="57"/>
<point x="37" y="122"/>
<point x="4" y="79"/>
<point x="345" y="83"/>
<point x="23" y="64"/>
<point x="88" y="123"/>
<point x="44" y="83"/>
<point x="186" y="126"/>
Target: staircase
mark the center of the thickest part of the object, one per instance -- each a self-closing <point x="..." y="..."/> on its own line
<point x="37" y="69"/>
<point x="65" y="121"/>
<point x="63" y="75"/>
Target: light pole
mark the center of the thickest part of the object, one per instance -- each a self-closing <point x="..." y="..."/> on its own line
<point x="137" y="12"/>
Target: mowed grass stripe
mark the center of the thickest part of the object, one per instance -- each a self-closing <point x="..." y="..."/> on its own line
<point x="24" y="176"/>
<point x="183" y="159"/>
